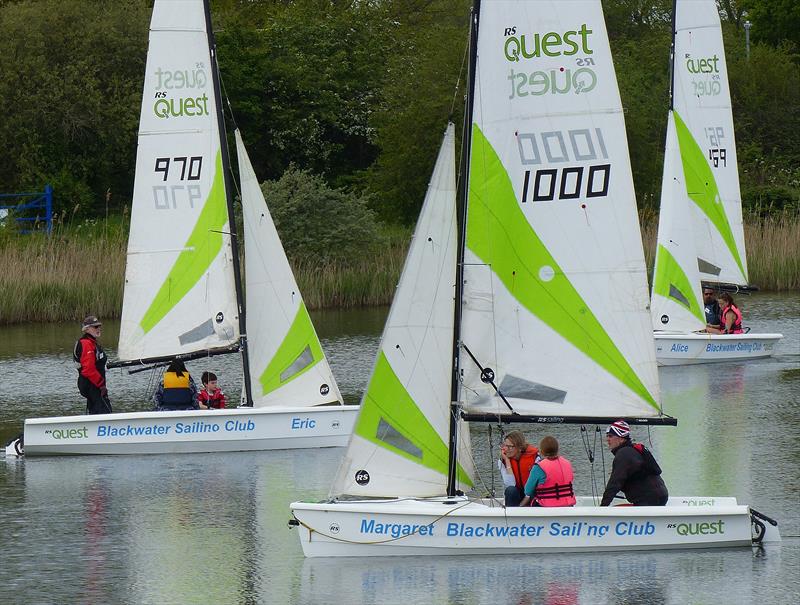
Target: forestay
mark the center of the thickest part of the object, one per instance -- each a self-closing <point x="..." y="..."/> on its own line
<point x="287" y="364"/>
<point x="676" y="304"/>
<point x="704" y="125"/>
<point x="399" y="446"/>
<point x="555" y="291"/>
<point x="179" y="284"/>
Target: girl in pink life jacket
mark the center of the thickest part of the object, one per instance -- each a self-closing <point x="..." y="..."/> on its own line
<point x="731" y="317"/>
<point x="550" y="481"/>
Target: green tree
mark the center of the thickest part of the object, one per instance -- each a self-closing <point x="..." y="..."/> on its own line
<point x="317" y="222"/>
<point x="70" y="91"/>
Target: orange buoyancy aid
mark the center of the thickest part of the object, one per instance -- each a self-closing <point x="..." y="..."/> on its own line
<point x="736" y="328"/>
<point x="557" y="487"/>
<point x="522" y="467"/>
<point x="176" y="389"/>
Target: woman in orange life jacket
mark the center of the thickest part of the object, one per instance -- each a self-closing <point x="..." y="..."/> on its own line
<point x="516" y="461"/>
<point x="550" y="483"/>
<point x="731" y="317"/>
<point x="177" y="390"/>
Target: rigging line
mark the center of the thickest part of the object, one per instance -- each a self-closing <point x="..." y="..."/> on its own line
<point x="488" y="378"/>
<point x="386" y="541"/>
<point x="460" y="71"/>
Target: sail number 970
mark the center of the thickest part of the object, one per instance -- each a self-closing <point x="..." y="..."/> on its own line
<point x="585" y="146"/>
<point x="180" y="168"/>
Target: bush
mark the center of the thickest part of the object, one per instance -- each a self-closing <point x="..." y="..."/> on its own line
<point x="320" y="224"/>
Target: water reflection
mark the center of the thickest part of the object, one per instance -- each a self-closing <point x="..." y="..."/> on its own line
<point x="202" y="528"/>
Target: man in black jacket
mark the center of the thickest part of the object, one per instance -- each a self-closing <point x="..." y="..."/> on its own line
<point x="634" y="470"/>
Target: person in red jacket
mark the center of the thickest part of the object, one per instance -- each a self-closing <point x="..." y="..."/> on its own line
<point x="91" y="360"/>
<point x="210" y="396"/>
<point x="550" y="482"/>
<point x="517" y="458"/>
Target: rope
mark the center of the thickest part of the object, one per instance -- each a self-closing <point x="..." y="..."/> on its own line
<point x="387" y="540"/>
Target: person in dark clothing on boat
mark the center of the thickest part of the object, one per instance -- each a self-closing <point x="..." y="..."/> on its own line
<point x="177" y="390"/>
<point x="634" y="471"/>
<point x="712" y="309"/>
<point x="91" y="360"/>
<point x="517" y="458"/>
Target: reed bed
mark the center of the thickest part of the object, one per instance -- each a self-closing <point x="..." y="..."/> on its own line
<point x="62" y="277"/>
<point x="74" y="273"/>
<point x="772" y="243"/>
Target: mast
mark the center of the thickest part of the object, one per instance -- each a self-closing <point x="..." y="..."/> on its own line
<point x="455" y="408"/>
<point x="237" y="273"/>
<point x="672" y="57"/>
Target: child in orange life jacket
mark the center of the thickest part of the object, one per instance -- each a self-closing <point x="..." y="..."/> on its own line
<point x="210" y="396"/>
<point x="550" y="481"/>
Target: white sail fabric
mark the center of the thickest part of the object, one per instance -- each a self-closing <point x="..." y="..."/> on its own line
<point x="677" y="305"/>
<point x="556" y="303"/>
<point x="399" y="446"/>
<point x="179" y="286"/>
<point x="287" y="364"/>
<point x="702" y="102"/>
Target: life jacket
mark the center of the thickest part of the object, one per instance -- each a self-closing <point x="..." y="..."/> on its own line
<point x="177" y="392"/>
<point x="90" y="359"/>
<point x="557" y="487"/>
<point x="522" y="467"/>
<point x="736" y="328"/>
<point x="215" y="400"/>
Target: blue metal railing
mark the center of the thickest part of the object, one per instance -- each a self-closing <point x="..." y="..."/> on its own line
<point x="27" y="211"/>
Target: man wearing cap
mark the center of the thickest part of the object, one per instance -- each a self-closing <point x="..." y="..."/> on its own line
<point x="634" y="471"/>
<point x="91" y="360"/>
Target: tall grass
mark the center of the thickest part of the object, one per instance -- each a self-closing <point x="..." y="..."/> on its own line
<point x="80" y="269"/>
<point x="772" y="244"/>
<point x="76" y="271"/>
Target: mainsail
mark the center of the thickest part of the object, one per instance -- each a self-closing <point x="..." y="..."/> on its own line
<point x="704" y="127"/>
<point x="555" y="301"/>
<point x="399" y="446"/>
<point x="180" y="295"/>
<point x="287" y="364"/>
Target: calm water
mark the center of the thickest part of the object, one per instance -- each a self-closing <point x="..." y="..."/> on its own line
<point x="211" y="528"/>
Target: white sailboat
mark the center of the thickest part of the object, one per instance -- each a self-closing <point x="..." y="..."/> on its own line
<point x="700" y="232"/>
<point x="550" y="322"/>
<point x="183" y="293"/>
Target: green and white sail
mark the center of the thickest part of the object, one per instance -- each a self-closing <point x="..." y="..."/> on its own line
<point x="676" y="304"/>
<point x="287" y="364"/>
<point x="399" y="446"/>
<point x="179" y="285"/>
<point x="555" y="301"/>
<point x="704" y="124"/>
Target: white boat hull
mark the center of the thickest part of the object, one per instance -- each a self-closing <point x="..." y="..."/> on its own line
<point x="458" y="526"/>
<point x="227" y="430"/>
<point x="685" y="349"/>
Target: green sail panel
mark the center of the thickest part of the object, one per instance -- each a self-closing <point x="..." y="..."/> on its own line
<point x="204" y="244"/>
<point x="701" y="186"/>
<point x="391" y="419"/>
<point x="508" y="244"/>
<point x="299" y="352"/>
<point x="670" y="280"/>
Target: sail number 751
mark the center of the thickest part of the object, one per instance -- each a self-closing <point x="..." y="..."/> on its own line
<point x="183" y="169"/>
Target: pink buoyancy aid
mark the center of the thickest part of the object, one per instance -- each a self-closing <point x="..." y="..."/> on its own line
<point x="557" y="487"/>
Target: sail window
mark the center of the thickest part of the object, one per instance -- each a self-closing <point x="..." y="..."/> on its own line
<point x="391" y="436"/>
<point x="678" y="295"/>
<point x="519" y="388"/>
<point x="707" y="267"/>
<point x="204" y="330"/>
<point x="305" y="359"/>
